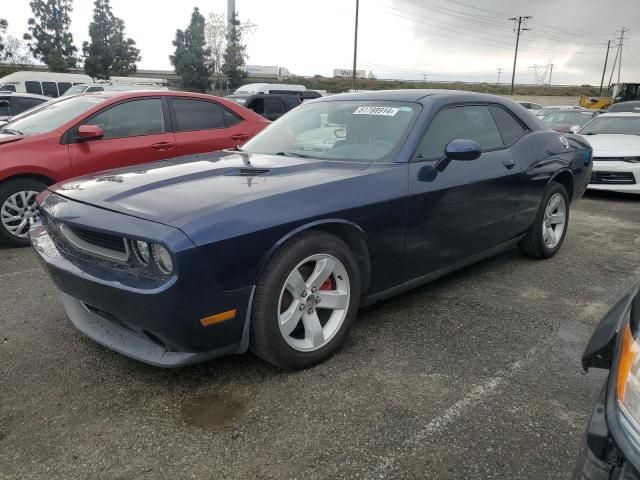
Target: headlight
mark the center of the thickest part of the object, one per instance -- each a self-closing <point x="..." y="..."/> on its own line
<point x="141" y="252"/>
<point x="162" y="258"/>
<point x="628" y="382"/>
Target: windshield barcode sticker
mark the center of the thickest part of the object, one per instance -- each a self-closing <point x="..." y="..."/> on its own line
<point x="386" y="111"/>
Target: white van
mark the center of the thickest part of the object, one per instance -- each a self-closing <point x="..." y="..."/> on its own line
<point x="55" y="84"/>
<point x="255" y="88"/>
<point x="42" y="83"/>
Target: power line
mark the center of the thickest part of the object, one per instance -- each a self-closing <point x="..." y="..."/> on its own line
<point x="497" y="14"/>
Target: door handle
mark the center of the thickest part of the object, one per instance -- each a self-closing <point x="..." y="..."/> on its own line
<point x="510" y="163"/>
<point x="163" y="146"/>
<point x="240" y="136"/>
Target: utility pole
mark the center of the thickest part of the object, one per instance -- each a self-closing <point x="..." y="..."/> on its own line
<point x="620" y="59"/>
<point x="604" y="70"/>
<point x="613" y="69"/>
<point x="231" y="15"/>
<point x="550" y="73"/>
<point x="520" y="28"/>
<point x="355" y="48"/>
<point x="499" y="72"/>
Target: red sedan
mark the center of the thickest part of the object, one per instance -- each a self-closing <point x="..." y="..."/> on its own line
<point x="88" y="133"/>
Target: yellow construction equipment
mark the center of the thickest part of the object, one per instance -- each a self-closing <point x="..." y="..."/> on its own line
<point x="621" y="92"/>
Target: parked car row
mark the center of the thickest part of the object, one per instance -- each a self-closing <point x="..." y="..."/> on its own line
<point x="180" y="260"/>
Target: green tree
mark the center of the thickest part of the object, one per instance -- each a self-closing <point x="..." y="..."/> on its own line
<point x="190" y="57"/>
<point x="235" y="54"/>
<point x="3" y="29"/>
<point x="109" y="52"/>
<point x="49" y="38"/>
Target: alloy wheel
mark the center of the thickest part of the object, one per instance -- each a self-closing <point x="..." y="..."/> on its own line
<point x="554" y="220"/>
<point x="19" y="212"/>
<point x="314" y="302"/>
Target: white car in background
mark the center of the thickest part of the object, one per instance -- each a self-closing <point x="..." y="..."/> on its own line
<point x="615" y="138"/>
<point x="544" y="111"/>
<point x="534" y="107"/>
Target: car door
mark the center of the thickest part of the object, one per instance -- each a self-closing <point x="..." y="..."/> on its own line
<point x="134" y="131"/>
<point x="202" y="125"/>
<point x="466" y="208"/>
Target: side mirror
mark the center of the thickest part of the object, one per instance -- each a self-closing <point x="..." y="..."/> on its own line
<point x="462" y="149"/>
<point x="89" y="132"/>
<point x="574" y="128"/>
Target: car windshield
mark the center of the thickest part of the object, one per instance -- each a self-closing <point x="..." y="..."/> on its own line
<point x="547" y="110"/>
<point x="338" y="130"/>
<point x="568" y="117"/>
<point x="75" y="90"/>
<point x="612" y="125"/>
<point x="53" y="115"/>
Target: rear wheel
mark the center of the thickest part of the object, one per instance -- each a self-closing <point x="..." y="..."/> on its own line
<point x="549" y="229"/>
<point x="18" y="210"/>
<point x="305" y="302"/>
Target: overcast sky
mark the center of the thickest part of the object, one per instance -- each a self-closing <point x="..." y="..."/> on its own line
<point x="445" y="39"/>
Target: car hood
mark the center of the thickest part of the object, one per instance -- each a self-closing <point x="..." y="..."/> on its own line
<point x="174" y="192"/>
<point x="609" y="145"/>
<point x="9" y="138"/>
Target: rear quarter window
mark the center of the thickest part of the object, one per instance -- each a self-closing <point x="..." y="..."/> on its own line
<point x="510" y="128"/>
<point x="194" y="114"/>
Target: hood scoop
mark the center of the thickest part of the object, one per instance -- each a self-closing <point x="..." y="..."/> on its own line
<point x="248" y="172"/>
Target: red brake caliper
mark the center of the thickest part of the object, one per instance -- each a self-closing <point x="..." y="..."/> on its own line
<point x="327" y="285"/>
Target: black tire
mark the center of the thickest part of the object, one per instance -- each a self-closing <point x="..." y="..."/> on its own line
<point x="7" y="189"/>
<point x="533" y="245"/>
<point x="266" y="341"/>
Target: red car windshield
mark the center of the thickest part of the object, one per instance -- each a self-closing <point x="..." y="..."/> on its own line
<point x="53" y="115"/>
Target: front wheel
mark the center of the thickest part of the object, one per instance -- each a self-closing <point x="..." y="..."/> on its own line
<point x="305" y="301"/>
<point x="546" y="235"/>
<point x="18" y="210"/>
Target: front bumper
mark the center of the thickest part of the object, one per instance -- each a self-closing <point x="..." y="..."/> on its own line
<point x="600" y="457"/>
<point x="615" y="176"/>
<point x="151" y="320"/>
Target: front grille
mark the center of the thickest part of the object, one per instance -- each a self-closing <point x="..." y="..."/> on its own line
<point x="103" y="240"/>
<point x="612" y="178"/>
<point x="617" y="159"/>
<point x="95" y="243"/>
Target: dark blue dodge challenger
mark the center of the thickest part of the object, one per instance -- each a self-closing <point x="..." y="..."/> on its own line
<point x="342" y="202"/>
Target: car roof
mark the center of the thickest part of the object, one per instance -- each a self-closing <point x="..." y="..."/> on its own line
<point x="119" y="94"/>
<point x="567" y="107"/>
<point x="411" y="95"/>
<point x="620" y="114"/>
<point x="24" y="95"/>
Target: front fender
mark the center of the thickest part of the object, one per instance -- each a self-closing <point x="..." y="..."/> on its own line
<point x="321" y="224"/>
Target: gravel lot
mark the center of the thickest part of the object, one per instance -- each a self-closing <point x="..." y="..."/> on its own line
<point x="474" y="376"/>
